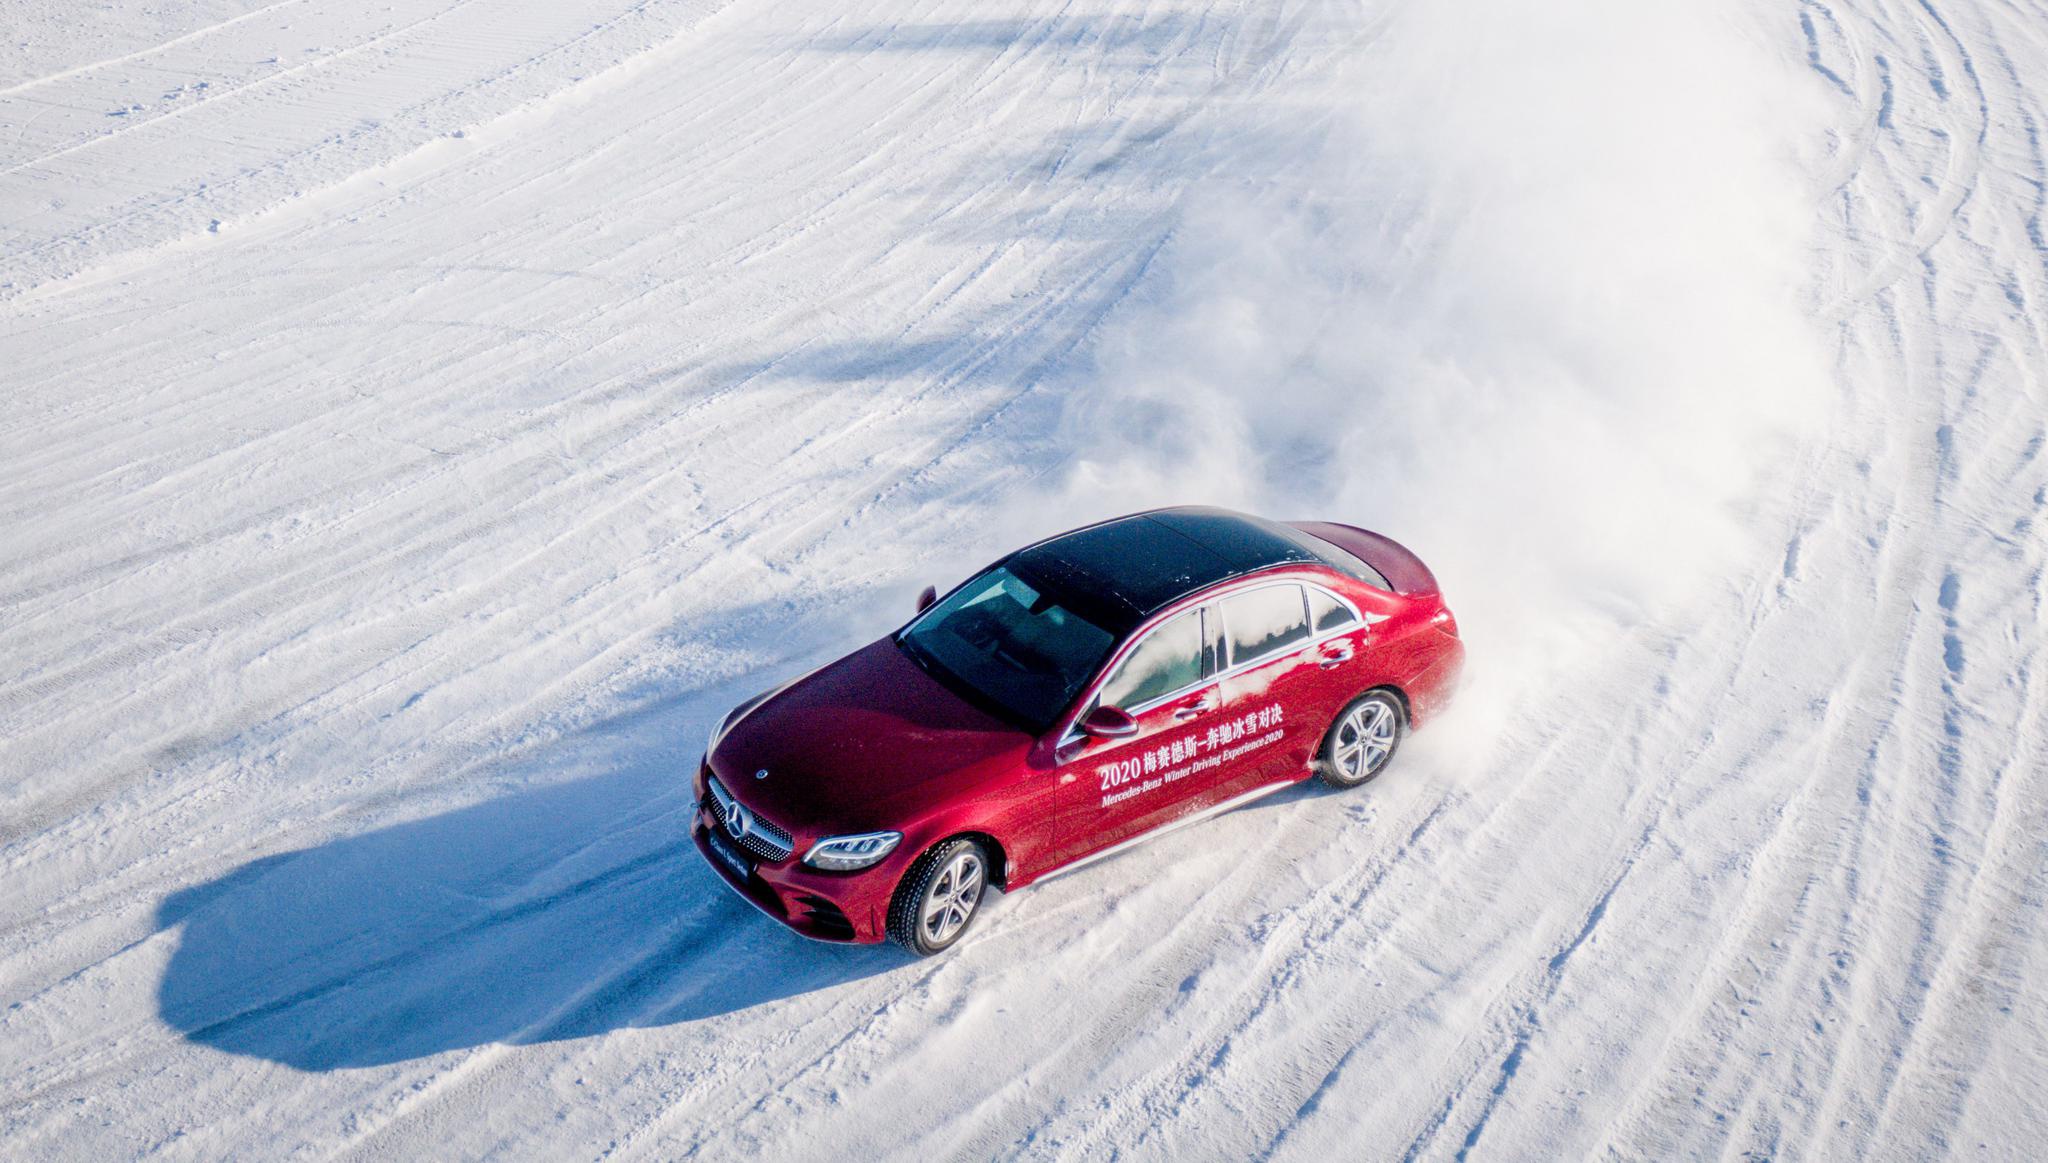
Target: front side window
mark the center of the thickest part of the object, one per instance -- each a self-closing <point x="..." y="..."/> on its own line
<point x="1169" y="659"/>
<point x="1264" y="621"/>
<point x="1011" y="645"/>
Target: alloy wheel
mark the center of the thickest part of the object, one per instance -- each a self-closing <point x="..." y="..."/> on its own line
<point x="1366" y="738"/>
<point x="952" y="898"/>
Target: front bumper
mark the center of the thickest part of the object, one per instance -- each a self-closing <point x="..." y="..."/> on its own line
<point x="825" y="906"/>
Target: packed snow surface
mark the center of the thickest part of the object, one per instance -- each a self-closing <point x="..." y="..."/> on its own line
<point x="421" y="420"/>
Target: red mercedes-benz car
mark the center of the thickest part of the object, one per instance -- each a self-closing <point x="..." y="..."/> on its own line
<point x="1078" y="696"/>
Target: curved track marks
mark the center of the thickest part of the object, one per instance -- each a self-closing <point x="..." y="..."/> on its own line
<point x="374" y="563"/>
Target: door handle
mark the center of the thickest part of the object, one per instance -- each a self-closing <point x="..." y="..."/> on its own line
<point x="1337" y="657"/>
<point x="1201" y="706"/>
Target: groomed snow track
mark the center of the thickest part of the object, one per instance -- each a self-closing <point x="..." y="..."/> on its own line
<point x="418" y="426"/>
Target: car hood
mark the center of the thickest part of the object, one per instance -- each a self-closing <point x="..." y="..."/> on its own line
<point x="853" y="746"/>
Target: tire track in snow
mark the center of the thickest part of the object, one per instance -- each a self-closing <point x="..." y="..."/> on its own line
<point x="196" y="34"/>
<point x="320" y="146"/>
<point x="112" y="137"/>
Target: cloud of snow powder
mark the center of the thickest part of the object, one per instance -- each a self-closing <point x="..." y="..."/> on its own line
<point x="1531" y="304"/>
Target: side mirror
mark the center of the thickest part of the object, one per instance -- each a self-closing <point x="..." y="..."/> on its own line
<point x="1109" y="723"/>
<point x="925" y="598"/>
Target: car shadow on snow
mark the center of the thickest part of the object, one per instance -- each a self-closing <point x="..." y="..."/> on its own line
<point x="551" y="913"/>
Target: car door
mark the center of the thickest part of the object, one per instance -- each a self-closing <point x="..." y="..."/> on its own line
<point x="1113" y="789"/>
<point x="1267" y="724"/>
<point x="1345" y="654"/>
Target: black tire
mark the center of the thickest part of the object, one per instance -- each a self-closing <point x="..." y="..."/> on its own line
<point x="938" y="873"/>
<point x="1362" y="740"/>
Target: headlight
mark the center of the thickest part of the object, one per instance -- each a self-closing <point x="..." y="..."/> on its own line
<point x="846" y="853"/>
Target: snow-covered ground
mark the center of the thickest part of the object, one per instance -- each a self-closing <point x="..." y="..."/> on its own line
<point x="420" y="420"/>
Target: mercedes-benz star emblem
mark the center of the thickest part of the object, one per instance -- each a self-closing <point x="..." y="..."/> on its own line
<point x="738" y="822"/>
<point x="761" y="774"/>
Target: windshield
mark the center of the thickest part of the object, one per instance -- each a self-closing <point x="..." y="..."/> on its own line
<point x="1011" y="645"/>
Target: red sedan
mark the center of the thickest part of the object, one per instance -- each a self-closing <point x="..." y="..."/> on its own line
<point x="1077" y="697"/>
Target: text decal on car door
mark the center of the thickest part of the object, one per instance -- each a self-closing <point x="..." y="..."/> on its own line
<point x="1167" y="762"/>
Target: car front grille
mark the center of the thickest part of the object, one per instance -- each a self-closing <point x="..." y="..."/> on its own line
<point x="746" y="827"/>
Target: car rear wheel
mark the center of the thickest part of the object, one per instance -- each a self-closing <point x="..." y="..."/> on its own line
<point x="1363" y="740"/>
<point x="939" y="897"/>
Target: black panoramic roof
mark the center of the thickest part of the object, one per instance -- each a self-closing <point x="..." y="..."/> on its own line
<point x="1121" y="572"/>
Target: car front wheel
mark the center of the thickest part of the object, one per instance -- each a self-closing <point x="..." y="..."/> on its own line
<point x="1363" y="740"/>
<point x="939" y="897"/>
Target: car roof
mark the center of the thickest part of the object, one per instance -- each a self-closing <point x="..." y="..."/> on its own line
<point x="1123" y="571"/>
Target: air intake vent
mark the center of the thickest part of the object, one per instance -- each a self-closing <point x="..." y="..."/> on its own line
<point x="831" y="924"/>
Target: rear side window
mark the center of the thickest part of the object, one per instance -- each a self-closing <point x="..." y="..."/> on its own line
<point x="1348" y="562"/>
<point x="1326" y="612"/>
<point x="1168" y="659"/>
<point x="1264" y="621"/>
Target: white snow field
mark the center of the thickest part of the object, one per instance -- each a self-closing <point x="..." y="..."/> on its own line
<point x="420" y="420"/>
